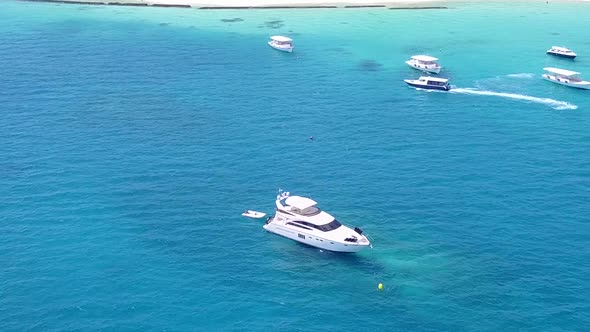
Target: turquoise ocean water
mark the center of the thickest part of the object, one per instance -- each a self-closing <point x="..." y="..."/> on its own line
<point x="131" y="139"/>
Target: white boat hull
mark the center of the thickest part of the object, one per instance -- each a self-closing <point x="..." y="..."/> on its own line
<point x="434" y="69"/>
<point x="254" y="214"/>
<point x="287" y="49"/>
<point x="313" y="240"/>
<point x="585" y="85"/>
<point x="421" y="85"/>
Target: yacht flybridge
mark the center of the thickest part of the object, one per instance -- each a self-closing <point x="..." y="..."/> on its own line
<point x="299" y="218"/>
<point x="424" y="63"/>
<point x="565" y="77"/>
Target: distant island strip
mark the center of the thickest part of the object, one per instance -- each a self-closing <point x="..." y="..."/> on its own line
<point x="253" y="4"/>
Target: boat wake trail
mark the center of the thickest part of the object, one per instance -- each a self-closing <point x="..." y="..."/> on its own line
<point x="522" y="75"/>
<point x="556" y="104"/>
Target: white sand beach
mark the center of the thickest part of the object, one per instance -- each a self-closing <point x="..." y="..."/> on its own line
<point x="294" y="3"/>
<point x="286" y="3"/>
<point x="262" y="3"/>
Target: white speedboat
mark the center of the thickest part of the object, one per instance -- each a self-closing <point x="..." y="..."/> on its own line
<point x="430" y="83"/>
<point x="561" y="52"/>
<point x="565" y="77"/>
<point x="424" y="63"/>
<point x="281" y="43"/>
<point x="298" y="218"/>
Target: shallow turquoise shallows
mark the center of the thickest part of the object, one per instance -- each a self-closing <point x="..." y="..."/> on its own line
<point x="131" y="139"/>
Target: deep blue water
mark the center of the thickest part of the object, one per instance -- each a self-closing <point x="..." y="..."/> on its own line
<point x="131" y="139"/>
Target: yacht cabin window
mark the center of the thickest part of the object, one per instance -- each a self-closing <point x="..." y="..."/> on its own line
<point x="437" y="83"/>
<point x="298" y="225"/>
<point x="323" y="228"/>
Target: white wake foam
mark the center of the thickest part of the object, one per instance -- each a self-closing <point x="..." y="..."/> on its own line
<point x="556" y="104"/>
<point x="522" y="75"/>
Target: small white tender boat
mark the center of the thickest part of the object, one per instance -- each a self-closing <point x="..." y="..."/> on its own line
<point x="281" y="43"/>
<point x="424" y="63"/>
<point x="565" y="77"/>
<point x="430" y="83"/>
<point x="253" y="214"/>
<point x="561" y="52"/>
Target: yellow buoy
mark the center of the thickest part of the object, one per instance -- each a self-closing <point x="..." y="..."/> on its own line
<point x="380" y="286"/>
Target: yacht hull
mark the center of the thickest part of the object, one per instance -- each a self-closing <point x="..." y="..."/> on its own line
<point x="312" y="240"/>
<point x="584" y="85"/>
<point x="283" y="49"/>
<point x="565" y="56"/>
<point x="424" y="68"/>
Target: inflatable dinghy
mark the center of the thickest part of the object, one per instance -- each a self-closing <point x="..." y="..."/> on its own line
<point x="253" y="214"/>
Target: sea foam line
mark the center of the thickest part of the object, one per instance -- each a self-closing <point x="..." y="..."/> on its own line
<point x="522" y="75"/>
<point x="556" y="104"/>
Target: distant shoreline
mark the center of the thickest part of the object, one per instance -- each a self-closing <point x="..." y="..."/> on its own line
<point x="280" y="4"/>
<point x="259" y="4"/>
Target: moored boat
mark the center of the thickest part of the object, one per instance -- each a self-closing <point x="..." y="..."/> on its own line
<point x="565" y="77"/>
<point x="562" y="52"/>
<point x="281" y="43"/>
<point x="430" y="83"/>
<point x="300" y="219"/>
<point x="424" y="63"/>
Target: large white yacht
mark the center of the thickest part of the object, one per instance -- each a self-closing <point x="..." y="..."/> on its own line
<point x="299" y="218"/>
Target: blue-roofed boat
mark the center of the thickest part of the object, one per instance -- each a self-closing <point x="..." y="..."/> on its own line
<point x="562" y="52"/>
<point x="430" y="83"/>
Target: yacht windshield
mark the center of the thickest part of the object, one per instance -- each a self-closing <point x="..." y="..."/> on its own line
<point x="324" y="228"/>
<point x="310" y="211"/>
<point x="330" y="226"/>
